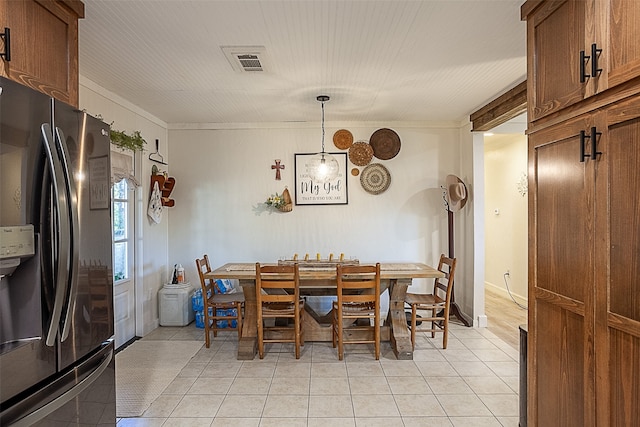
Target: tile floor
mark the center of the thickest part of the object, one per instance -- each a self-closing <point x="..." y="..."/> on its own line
<point x="474" y="382"/>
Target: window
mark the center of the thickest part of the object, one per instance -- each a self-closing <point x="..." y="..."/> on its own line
<point x="120" y="230"/>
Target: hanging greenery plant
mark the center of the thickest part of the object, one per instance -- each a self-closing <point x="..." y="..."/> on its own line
<point x="133" y="142"/>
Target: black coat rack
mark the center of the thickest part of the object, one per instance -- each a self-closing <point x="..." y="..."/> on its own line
<point x="455" y="309"/>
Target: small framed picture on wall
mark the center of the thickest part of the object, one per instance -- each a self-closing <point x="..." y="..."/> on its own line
<point x="310" y="192"/>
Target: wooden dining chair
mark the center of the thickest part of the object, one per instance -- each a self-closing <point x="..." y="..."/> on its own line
<point x="437" y="303"/>
<point x="278" y="297"/>
<point x="358" y="298"/>
<point x="215" y="300"/>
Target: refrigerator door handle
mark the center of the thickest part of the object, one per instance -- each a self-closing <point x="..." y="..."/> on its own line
<point x="73" y="250"/>
<point x="61" y="224"/>
<point x="60" y="401"/>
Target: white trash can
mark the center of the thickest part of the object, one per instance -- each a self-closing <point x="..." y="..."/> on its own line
<point x="175" y="304"/>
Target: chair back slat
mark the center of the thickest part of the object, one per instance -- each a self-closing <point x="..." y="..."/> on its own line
<point x="277" y="276"/>
<point x="359" y="284"/>
<point x="359" y="298"/>
<point x="272" y="277"/>
<point x="362" y="278"/>
<point x="277" y="298"/>
<point x="267" y="283"/>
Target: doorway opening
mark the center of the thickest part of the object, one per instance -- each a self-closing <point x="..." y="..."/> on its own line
<point x="506" y="229"/>
<point x="500" y="214"/>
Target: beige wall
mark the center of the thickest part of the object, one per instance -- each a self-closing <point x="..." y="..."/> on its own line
<point x="506" y="213"/>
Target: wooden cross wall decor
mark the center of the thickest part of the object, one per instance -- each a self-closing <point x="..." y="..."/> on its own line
<point x="277" y="167"/>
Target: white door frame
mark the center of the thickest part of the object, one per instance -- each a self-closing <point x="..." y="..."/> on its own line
<point x="138" y="258"/>
<point x="133" y="227"/>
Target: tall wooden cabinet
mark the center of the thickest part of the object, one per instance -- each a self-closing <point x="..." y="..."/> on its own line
<point x="44" y="45"/>
<point x="584" y="220"/>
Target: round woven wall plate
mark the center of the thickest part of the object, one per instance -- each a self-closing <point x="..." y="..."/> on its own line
<point x="375" y="178"/>
<point x="355" y="171"/>
<point x="360" y="153"/>
<point x="342" y="139"/>
<point x="385" y="143"/>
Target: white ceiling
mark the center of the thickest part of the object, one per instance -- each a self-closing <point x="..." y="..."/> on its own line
<point x="396" y="60"/>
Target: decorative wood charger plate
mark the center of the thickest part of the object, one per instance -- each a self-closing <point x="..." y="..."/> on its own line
<point x="375" y="178"/>
<point x="360" y="153"/>
<point x="385" y="143"/>
<point x="342" y="139"/>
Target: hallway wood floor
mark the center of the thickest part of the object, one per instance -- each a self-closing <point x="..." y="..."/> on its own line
<point x="504" y="317"/>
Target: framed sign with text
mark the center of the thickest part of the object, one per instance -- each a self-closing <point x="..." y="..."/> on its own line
<point x="332" y="192"/>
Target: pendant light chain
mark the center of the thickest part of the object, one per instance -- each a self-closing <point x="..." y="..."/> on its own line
<point x="322" y="167"/>
<point x="323" y="99"/>
<point x="323" y="126"/>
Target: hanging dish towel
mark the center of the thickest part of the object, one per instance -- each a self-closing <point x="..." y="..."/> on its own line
<point x="155" y="204"/>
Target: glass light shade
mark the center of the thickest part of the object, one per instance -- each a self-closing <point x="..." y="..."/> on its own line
<point x="323" y="167"/>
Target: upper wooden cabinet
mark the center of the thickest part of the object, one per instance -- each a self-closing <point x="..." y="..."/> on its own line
<point x="44" y="45"/>
<point x="555" y="36"/>
<point x="579" y="48"/>
<point x="623" y="32"/>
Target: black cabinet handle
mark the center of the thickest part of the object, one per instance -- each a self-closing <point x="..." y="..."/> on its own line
<point x="594" y="142"/>
<point x="583" y="137"/>
<point x="583" y="66"/>
<point x="584" y="58"/>
<point x="595" y="53"/>
<point x="593" y="136"/>
<point x="6" y="36"/>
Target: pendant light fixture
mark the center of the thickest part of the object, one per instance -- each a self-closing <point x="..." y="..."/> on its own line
<point x="323" y="166"/>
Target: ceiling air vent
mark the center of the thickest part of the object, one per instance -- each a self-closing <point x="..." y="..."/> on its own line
<point x="246" y="58"/>
<point x="250" y="62"/>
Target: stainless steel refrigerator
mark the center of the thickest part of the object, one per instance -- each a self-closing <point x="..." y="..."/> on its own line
<point x="56" y="283"/>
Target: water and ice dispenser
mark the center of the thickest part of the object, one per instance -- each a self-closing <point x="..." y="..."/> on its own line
<point x="20" y="304"/>
<point x="15" y="243"/>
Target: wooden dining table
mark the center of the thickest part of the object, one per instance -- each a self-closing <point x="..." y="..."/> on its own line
<point x="321" y="280"/>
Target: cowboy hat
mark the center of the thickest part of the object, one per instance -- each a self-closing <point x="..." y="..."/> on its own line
<point x="456" y="193"/>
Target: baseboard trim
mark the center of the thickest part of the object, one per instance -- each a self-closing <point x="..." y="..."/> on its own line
<point x="503" y="291"/>
<point x="481" y="321"/>
<point x="127" y="344"/>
